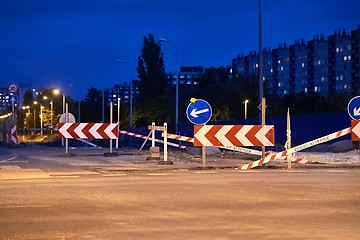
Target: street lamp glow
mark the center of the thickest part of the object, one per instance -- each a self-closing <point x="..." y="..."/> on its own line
<point x="246" y="103"/>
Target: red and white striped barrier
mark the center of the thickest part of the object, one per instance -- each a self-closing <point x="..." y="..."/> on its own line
<point x="180" y="138"/>
<point x="283" y="154"/>
<point x="233" y="148"/>
<point x="233" y="135"/>
<point x="355" y="130"/>
<point x="145" y="137"/>
<point x="88" y="130"/>
<point x="14" y="139"/>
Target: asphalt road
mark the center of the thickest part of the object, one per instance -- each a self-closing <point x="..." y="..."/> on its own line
<point x="53" y="203"/>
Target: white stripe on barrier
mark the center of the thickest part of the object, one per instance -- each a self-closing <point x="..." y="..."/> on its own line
<point x="283" y="154"/>
<point x="233" y="148"/>
<point x="156" y="140"/>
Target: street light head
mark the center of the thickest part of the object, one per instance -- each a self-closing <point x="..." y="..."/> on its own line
<point x="163" y="40"/>
<point x="45" y="97"/>
<point x="56" y="91"/>
<point x="35" y="102"/>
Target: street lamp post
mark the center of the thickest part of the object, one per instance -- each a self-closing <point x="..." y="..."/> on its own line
<point x="35" y="102"/>
<point x="41" y="120"/>
<point x="131" y="91"/>
<point x="177" y="84"/>
<point x="51" y="109"/>
<point x="57" y="91"/>
<point x="26" y="115"/>
<point x="246" y="103"/>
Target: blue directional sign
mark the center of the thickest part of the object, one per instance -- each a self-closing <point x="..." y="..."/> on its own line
<point x="13" y="99"/>
<point x="198" y="111"/>
<point x="354" y="108"/>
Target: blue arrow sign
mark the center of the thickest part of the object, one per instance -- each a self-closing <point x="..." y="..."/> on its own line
<point x="354" y="108"/>
<point x="13" y="99"/>
<point x="199" y="112"/>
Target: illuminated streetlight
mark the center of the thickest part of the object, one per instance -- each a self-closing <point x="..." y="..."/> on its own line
<point x="246" y="102"/>
<point x="35" y="102"/>
<point x="57" y="92"/>
<point x="51" y="110"/>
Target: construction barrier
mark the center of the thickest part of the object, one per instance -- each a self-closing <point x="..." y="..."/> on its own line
<point x="283" y="154"/>
<point x="145" y="137"/>
<point x="14" y="139"/>
<point x="234" y="148"/>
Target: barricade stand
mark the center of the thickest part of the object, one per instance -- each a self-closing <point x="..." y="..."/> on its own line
<point x="164" y="129"/>
<point x="111" y="153"/>
<point x="154" y="151"/>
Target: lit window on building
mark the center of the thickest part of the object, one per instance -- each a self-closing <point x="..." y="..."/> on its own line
<point x="302" y="64"/>
<point x="345" y="58"/>
<point x="337" y="49"/>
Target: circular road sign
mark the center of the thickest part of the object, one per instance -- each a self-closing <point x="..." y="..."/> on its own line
<point x="13" y="88"/>
<point x="198" y="111"/>
<point x="71" y="118"/>
<point x="354" y="108"/>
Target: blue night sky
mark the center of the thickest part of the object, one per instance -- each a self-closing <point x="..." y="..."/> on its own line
<point x="60" y="43"/>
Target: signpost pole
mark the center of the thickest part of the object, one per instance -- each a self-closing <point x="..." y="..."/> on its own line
<point x="203" y="156"/>
<point x="165" y="142"/>
<point x="263" y="109"/>
<point x="111" y="117"/>
<point x="66" y="120"/>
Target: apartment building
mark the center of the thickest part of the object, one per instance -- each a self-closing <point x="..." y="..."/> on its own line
<point x="321" y="65"/>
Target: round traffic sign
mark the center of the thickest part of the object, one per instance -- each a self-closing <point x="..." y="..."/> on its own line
<point x="71" y="118"/>
<point x="354" y="108"/>
<point x="13" y="88"/>
<point x="199" y="111"/>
